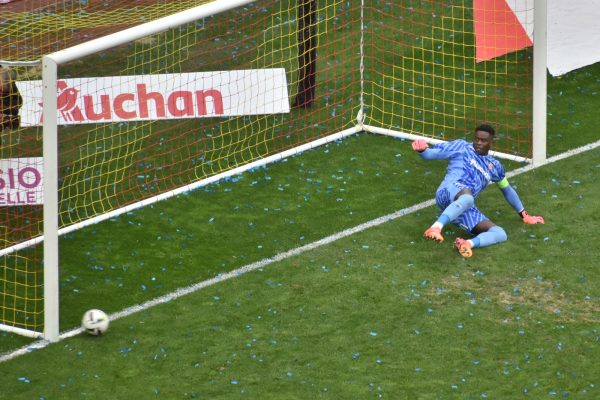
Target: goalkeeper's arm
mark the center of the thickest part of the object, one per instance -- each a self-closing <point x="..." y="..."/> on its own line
<point x="428" y="153"/>
<point x="513" y="199"/>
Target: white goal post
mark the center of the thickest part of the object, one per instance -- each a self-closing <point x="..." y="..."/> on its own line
<point x="51" y="64"/>
<point x="50" y="132"/>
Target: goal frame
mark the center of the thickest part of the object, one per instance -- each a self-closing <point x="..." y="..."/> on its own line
<point x="51" y="62"/>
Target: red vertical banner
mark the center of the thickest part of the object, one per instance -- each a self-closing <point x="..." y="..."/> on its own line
<point x="497" y="30"/>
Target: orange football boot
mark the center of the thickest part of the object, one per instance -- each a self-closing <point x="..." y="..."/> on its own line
<point x="464" y="247"/>
<point x="434" y="234"/>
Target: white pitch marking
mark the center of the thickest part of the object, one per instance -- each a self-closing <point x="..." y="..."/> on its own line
<point x="279" y="257"/>
<point x="225" y="276"/>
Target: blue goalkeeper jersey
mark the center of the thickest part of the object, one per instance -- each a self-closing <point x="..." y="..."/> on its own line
<point x="465" y="166"/>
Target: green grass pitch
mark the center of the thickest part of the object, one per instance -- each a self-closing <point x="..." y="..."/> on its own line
<point x="383" y="313"/>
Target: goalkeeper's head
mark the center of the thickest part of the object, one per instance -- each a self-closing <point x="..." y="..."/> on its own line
<point x="484" y="136"/>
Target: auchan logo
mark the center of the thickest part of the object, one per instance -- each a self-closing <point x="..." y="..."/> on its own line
<point x="135" y="106"/>
<point x="166" y="96"/>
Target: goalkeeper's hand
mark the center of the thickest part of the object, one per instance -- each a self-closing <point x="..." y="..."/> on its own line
<point x="420" y="145"/>
<point x="531" y="219"/>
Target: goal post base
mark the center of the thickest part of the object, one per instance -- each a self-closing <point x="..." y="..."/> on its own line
<point x="21" y="331"/>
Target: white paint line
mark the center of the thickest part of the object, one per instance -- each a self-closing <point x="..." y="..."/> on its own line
<point x="279" y="257"/>
<point x="226" y="276"/>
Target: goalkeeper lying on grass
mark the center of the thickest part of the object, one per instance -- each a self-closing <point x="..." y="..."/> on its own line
<point x="470" y="170"/>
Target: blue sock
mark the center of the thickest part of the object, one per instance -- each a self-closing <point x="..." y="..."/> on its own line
<point x="456" y="208"/>
<point x="493" y="235"/>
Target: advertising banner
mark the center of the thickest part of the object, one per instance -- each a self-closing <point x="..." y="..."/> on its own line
<point x="21" y="181"/>
<point x="164" y="96"/>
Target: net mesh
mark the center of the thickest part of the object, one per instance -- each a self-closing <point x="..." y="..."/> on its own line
<point x="33" y="28"/>
<point x="420" y="77"/>
<point x="428" y="82"/>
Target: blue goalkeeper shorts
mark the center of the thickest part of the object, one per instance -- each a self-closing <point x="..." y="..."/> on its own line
<point x="467" y="220"/>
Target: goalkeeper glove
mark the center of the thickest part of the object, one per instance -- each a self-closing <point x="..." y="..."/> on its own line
<point x="420" y="145"/>
<point x="531" y="219"/>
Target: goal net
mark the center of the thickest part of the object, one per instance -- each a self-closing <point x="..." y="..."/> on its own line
<point x="422" y="75"/>
<point x="214" y="89"/>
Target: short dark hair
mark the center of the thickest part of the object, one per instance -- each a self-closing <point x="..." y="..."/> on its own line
<point x="486" y="128"/>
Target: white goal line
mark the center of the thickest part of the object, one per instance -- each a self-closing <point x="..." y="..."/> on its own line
<point x="228" y="275"/>
<point x="278" y="257"/>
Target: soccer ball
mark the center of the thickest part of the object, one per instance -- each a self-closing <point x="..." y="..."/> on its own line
<point x="95" y="322"/>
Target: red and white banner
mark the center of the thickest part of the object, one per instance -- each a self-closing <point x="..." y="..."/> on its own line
<point x="165" y="96"/>
<point x="503" y="26"/>
<point x="498" y="29"/>
<point x="21" y="181"/>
